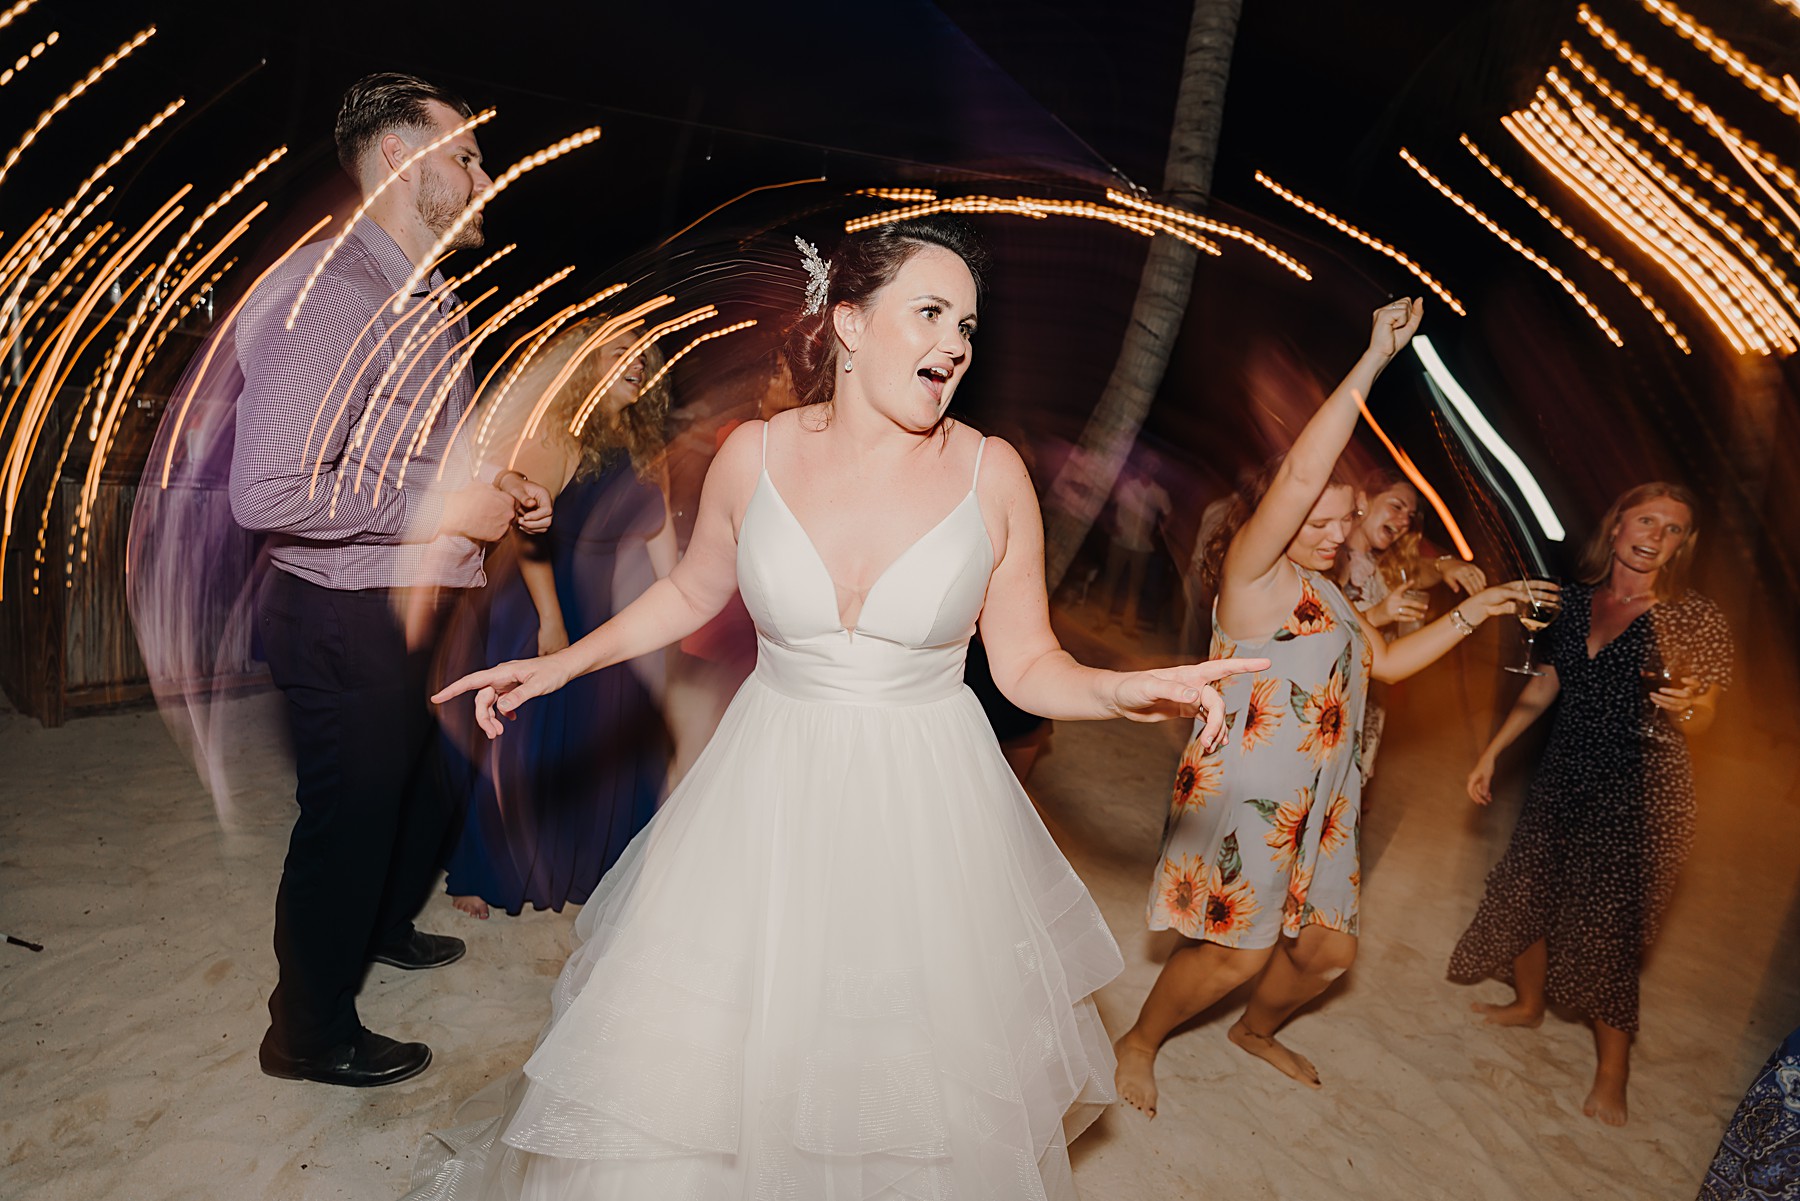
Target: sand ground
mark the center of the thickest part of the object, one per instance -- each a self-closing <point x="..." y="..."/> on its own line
<point x="128" y="1046"/>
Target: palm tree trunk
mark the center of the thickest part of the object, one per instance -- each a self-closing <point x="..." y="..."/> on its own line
<point x="1087" y="479"/>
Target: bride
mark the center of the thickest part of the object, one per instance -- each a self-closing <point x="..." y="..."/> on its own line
<point x="845" y="960"/>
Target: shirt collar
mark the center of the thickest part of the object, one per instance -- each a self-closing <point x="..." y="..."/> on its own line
<point x="396" y="268"/>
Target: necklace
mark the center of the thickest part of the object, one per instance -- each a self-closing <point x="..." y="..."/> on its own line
<point x="1629" y="600"/>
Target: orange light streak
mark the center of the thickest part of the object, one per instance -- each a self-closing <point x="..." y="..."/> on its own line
<point x="63" y="101"/>
<point x="25" y="59"/>
<point x="218" y="338"/>
<point x="649" y="338"/>
<point x="768" y="187"/>
<point x="441" y="396"/>
<point x="1693" y="162"/>
<point x="1373" y="243"/>
<point x="139" y="355"/>
<point x="1743" y="280"/>
<point x="1038" y="209"/>
<point x="1588" y="185"/>
<point x="1183" y="217"/>
<point x="538" y="336"/>
<point x="624" y="322"/>
<point x="1721" y="52"/>
<point x="902" y="195"/>
<point x="17" y="10"/>
<point x="312" y="276"/>
<point x="1527" y="253"/>
<point x="1413" y="473"/>
<point x="669" y="363"/>
<point x="1587" y="247"/>
<point x="511" y="175"/>
<point x="42" y="297"/>
<point x="1679" y="96"/>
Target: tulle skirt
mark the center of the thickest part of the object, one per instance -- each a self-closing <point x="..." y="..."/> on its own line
<point x="845" y="961"/>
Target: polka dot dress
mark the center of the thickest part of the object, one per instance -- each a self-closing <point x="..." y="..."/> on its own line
<point x="1609" y="817"/>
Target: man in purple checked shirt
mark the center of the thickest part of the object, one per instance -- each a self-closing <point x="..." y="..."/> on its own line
<point x="365" y="574"/>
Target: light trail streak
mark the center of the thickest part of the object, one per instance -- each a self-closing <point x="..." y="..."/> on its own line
<point x="24" y="60"/>
<point x="1490" y="438"/>
<point x="1612" y="144"/>
<point x="1412" y="472"/>
<point x="900" y="195"/>
<point x="648" y="339"/>
<point x="1527" y="253"/>
<point x="624" y="322"/>
<point x="768" y="187"/>
<point x="1373" y="243"/>
<point x="1183" y="217"/>
<point x="37" y="403"/>
<point x="16" y="11"/>
<point x="63" y="101"/>
<point x="1722" y="52"/>
<point x="1679" y="96"/>
<point x="512" y="174"/>
<point x="1038" y="208"/>
<point x="109" y="429"/>
<point x="1594" y="252"/>
<point x="538" y="337"/>
<point x="40" y="299"/>
<point x="669" y="363"/>
<point x="217" y="339"/>
<point x="1692" y="161"/>
<point x="312" y="276"/>
<point x="1734" y="299"/>
<point x="441" y="396"/>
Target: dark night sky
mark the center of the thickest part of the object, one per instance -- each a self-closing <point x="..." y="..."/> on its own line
<point x="700" y="101"/>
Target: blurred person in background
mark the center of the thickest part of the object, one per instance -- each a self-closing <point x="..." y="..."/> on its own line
<point x="1260" y="858"/>
<point x="1637" y="663"/>
<point x="558" y="801"/>
<point x="1387" y="569"/>
<point x="1140" y="505"/>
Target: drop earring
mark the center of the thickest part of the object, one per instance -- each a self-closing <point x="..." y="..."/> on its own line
<point x="848" y="364"/>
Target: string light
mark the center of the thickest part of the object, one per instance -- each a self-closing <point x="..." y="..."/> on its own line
<point x="63" y="101"/>
<point x="644" y="342"/>
<point x="624" y="322"/>
<point x="1529" y="255"/>
<point x="1721" y="52"/>
<point x="1182" y="217"/>
<point x="1342" y="226"/>
<point x="25" y="59"/>
<point x="480" y="201"/>
<point x="1587" y="247"/>
<point x="1038" y="209"/>
<point x="669" y="363"/>
<point x="902" y="195"/>
<point x="17" y="10"/>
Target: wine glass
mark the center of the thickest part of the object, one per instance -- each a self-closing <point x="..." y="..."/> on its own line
<point x="1539" y="610"/>
<point x="1667" y="672"/>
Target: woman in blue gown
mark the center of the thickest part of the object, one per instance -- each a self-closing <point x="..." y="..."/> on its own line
<point x="556" y="804"/>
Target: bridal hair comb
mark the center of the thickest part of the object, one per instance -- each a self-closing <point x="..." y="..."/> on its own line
<point x="818" y="275"/>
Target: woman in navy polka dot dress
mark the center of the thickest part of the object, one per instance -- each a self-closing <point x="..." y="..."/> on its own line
<point x="1638" y="661"/>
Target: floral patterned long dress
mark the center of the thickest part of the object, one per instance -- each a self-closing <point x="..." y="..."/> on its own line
<point x="1263" y="834"/>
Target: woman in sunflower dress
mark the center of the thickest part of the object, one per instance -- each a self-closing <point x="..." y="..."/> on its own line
<point x="1259" y="862"/>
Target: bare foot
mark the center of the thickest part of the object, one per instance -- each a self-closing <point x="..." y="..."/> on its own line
<point x="473" y="906"/>
<point x="1606" y="1101"/>
<point x="1262" y="1046"/>
<point x="1136" y="1077"/>
<point x="1515" y="1014"/>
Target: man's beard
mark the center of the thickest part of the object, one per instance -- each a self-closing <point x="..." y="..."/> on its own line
<point x="439" y="210"/>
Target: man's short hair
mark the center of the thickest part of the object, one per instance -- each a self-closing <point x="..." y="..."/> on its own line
<point x="378" y="104"/>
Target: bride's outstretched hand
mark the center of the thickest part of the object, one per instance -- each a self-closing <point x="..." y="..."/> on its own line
<point x="504" y="687"/>
<point x="1187" y="691"/>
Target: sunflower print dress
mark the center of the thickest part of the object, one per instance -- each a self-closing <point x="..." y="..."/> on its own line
<point x="1263" y="835"/>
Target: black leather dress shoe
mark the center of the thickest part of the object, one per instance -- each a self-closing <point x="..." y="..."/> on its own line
<point x="421" y="950"/>
<point x="371" y="1060"/>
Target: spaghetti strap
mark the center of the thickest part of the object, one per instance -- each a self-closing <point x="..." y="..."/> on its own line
<point x="979" y="451"/>
<point x="765" y="446"/>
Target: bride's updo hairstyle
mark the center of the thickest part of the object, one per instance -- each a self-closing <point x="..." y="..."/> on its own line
<point x="862" y="264"/>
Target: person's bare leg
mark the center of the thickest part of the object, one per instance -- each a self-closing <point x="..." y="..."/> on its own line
<point x="1527" y="1006"/>
<point x="1606" y="1100"/>
<point x="473" y="906"/>
<point x="1300" y="971"/>
<point x="1192" y="980"/>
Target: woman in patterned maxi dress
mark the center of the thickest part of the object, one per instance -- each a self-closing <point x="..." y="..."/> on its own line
<point x="1576" y="900"/>
<point x="1259" y="860"/>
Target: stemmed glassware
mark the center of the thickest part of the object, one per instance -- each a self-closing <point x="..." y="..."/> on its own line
<point x="1540" y="609"/>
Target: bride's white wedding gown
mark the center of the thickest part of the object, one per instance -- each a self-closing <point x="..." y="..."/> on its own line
<point x="845" y="961"/>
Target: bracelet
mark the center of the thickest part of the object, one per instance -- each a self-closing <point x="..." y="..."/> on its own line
<point x="1461" y="623"/>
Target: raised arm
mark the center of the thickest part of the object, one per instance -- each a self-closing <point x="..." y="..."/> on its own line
<point x="670" y="609"/>
<point x="1303" y="474"/>
<point x="1029" y="665"/>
